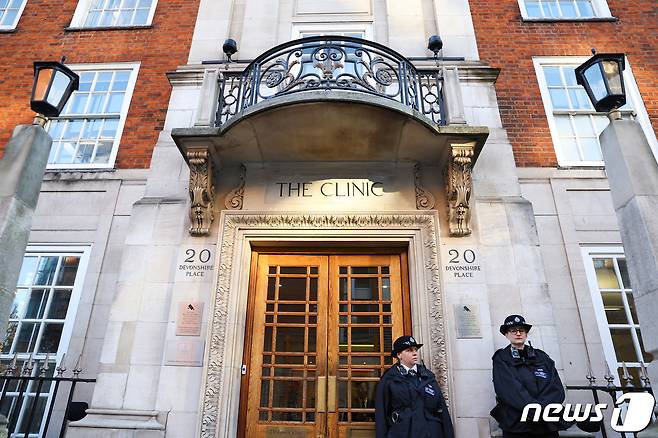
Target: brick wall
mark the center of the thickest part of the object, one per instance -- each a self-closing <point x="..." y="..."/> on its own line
<point x="506" y="42"/>
<point x="41" y="35"/>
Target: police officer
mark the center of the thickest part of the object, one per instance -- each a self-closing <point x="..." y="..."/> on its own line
<point x="522" y="375"/>
<point x="409" y="402"/>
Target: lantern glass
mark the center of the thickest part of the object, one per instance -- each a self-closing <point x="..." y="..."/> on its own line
<point x="57" y="89"/>
<point x="596" y="82"/>
<point x="611" y="71"/>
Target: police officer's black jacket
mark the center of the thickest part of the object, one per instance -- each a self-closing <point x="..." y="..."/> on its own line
<point x="530" y="377"/>
<point x="411" y="406"/>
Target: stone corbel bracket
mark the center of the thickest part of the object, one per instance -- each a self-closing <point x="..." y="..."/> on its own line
<point x="202" y="191"/>
<point x="459" y="187"/>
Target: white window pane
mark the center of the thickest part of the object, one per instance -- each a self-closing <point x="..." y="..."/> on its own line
<point x="613" y="305"/>
<point x="86" y="79"/>
<point x="605" y="273"/>
<point x="59" y="304"/>
<point x="125" y="18"/>
<point x="551" y="9"/>
<point x="564" y="128"/>
<point x="623" y="270"/>
<point x="3" y="4"/>
<point x="579" y="99"/>
<point x="77" y="104"/>
<point x="144" y="3"/>
<point x="141" y="16"/>
<point x="92" y="19"/>
<point x="28" y="270"/>
<point x="110" y="128"/>
<point x="559" y="98"/>
<point x="553" y="76"/>
<point x="103" y="80"/>
<point x="35" y="306"/>
<point x="103" y="151"/>
<point x="16" y="4"/>
<point x="46" y="270"/>
<point x="10" y="333"/>
<point x="27" y="337"/>
<point x="129" y="4"/>
<point x="115" y="103"/>
<point x="601" y="122"/>
<point x="96" y="103"/>
<point x="591" y="149"/>
<point x="120" y="82"/>
<point x="631" y="305"/>
<point x="84" y="152"/>
<point x="107" y="19"/>
<point x="96" y="4"/>
<point x="568" y="9"/>
<point x="52" y="333"/>
<point x="585" y="8"/>
<point x="113" y="4"/>
<point x="569" y="149"/>
<point x="624" y="346"/>
<point x="647" y="357"/>
<point x="10" y="17"/>
<point x="74" y="129"/>
<point x="584" y="126"/>
<point x="66" y="152"/>
<point x="54" y="149"/>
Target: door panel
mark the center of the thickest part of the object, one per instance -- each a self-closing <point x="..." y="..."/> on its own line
<point x="322" y="328"/>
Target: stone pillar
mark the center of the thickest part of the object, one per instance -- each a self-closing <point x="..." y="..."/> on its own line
<point x="21" y="173"/>
<point x="633" y="176"/>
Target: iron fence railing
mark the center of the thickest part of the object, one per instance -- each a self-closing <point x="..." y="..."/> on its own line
<point x="29" y="395"/>
<point x="331" y="63"/>
<point x="614" y="391"/>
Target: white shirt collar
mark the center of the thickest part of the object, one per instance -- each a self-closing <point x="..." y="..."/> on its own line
<point x="415" y="368"/>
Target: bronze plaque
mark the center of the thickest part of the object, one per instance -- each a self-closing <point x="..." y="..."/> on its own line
<point x="360" y="433"/>
<point x="286" y="432"/>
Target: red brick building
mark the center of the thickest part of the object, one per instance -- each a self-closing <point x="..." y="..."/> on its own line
<point x="159" y="40"/>
<point x="508" y="39"/>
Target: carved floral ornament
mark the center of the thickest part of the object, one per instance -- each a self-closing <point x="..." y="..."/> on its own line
<point x="213" y="401"/>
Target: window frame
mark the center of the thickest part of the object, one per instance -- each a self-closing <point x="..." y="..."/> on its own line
<point x="633" y="99"/>
<point x="589" y="254"/>
<point x="600" y="7"/>
<point x="6" y="27"/>
<point x="123" y="114"/>
<point x="322" y="28"/>
<point x="81" y="11"/>
<point x="59" y="250"/>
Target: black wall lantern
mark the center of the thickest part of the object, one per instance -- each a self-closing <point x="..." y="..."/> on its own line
<point x="53" y="85"/>
<point x="230" y="48"/>
<point x="602" y="77"/>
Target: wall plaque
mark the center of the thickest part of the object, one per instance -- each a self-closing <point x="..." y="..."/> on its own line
<point x="468" y="321"/>
<point x="190" y="315"/>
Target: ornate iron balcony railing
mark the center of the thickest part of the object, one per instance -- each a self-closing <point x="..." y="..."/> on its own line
<point x="331" y="63"/>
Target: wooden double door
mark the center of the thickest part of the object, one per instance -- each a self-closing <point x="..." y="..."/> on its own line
<point x="320" y="329"/>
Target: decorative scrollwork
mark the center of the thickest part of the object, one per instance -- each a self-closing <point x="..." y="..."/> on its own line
<point x="234" y="199"/>
<point x="459" y="188"/>
<point x="424" y="199"/>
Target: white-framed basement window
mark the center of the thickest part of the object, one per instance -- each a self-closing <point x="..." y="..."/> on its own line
<point x="88" y="131"/>
<point x="40" y="325"/>
<point x="574" y="125"/>
<point x="616" y="316"/>
<point x="564" y="9"/>
<point x="113" y="13"/>
<point x="10" y="13"/>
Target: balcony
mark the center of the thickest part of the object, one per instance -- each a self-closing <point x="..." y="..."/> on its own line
<point x="330" y="99"/>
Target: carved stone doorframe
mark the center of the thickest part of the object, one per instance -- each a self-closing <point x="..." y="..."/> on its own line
<point x="239" y="230"/>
